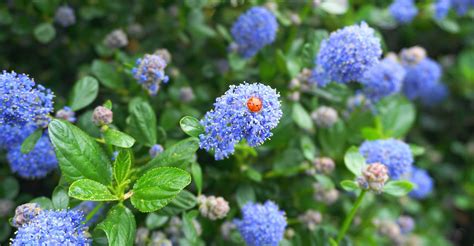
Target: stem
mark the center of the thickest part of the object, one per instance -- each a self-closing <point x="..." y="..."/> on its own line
<point x="93" y="212"/>
<point x="348" y="219"/>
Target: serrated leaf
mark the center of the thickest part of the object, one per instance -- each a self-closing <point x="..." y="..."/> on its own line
<point x="84" y="92"/>
<point x="398" y="187"/>
<point x="158" y="187"/>
<point x="142" y="123"/>
<point x="301" y="117"/>
<point x="79" y="155"/>
<point x="60" y="198"/>
<point x="122" y="165"/>
<point x="118" y="138"/>
<point x="354" y="161"/>
<point x="191" y="126"/>
<point x="30" y="142"/>
<point x="107" y="74"/>
<point x="119" y="226"/>
<point x="90" y="190"/>
<point x="177" y="155"/>
<point x="184" y="201"/>
<point x="349" y="185"/>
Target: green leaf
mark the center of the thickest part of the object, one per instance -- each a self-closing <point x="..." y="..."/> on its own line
<point x="119" y="226"/>
<point x="349" y="185"/>
<point x="189" y="229"/>
<point x="308" y="148"/>
<point x="354" y="161"/>
<point x="84" y="92"/>
<point x="245" y="193"/>
<point x="90" y="190"/>
<point x="158" y="187"/>
<point x="184" y="201"/>
<point x="301" y="117"/>
<point x="122" y="165"/>
<point x="236" y="62"/>
<point x="107" y="74"/>
<point x="253" y="174"/>
<point x="43" y="202"/>
<point x="142" y="123"/>
<point x="118" y="138"/>
<point x="154" y="221"/>
<point x="191" y="126"/>
<point x="417" y="150"/>
<point x="78" y="154"/>
<point x="196" y="172"/>
<point x="44" y="32"/>
<point x="177" y="155"/>
<point x="60" y="198"/>
<point x="30" y="142"/>
<point x="397" y="115"/>
<point x="9" y="188"/>
<point x="398" y="188"/>
<point x="335" y="7"/>
<point x="333" y="139"/>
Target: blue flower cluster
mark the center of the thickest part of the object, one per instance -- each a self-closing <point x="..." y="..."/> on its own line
<point x="403" y="11"/>
<point x="423" y="182"/>
<point x="393" y="153"/>
<point x="234" y="118"/>
<point x="150" y="72"/>
<point x="37" y="163"/>
<point x="66" y="113"/>
<point x="12" y="136"/>
<point x="262" y="224"/>
<point x="55" y="228"/>
<point x="441" y="9"/>
<point x="65" y="16"/>
<point x="420" y="76"/>
<point x="253" y="30"/>
<point x="462" y="6"/>
<point x="86" y="207"/>
<point x="434" y="94"/>
<point x="155" y="150"/>
<point x="383" y="79"/>
<point x="22" y="101"/>
<point x="347" y="54"/>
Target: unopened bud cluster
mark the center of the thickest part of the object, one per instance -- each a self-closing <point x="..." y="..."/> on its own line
<point x="102" y="116"/>
<point x="116" y="39"/>
<point x="25" y="213"/>
<point x="67" y="114"/>
<point x="413" y="55"/>
<point x="213" y="207"/>
<point x="324" y="116"/>
<point x="325" y="195"/>
<point x="373" y="177"/>
<point x="311" y="219"/>
<point x="299" y="84"/>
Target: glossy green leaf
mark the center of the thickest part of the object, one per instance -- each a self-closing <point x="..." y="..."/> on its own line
<point x="349" y="185"/>
<point x="191" y="126"/>
<point x="84" y="92"/>
<point x="60" y="198"/>
<point x="301" y="117"/>
<point x="158" y="187"/>
<point x="119" y="226"/>
<point x="30" y="142"/>
<point x="154" y="221"/>
<point x="142" y="123"/>
<point x="398" y="187"/>
<point x="184" y="201"/>
<point x="122" y="165"/>
<point x="354" y="161"/>
<point x="196" y="172"/>
<point x="90" y="190"/>
<point x="417" y="150"/>
<point x="397" y="116"/>
<point x="118" y="138"/>
<point x="43" y="202"/>
<point x="79" y="155"/>
<point x="107" y="74"/>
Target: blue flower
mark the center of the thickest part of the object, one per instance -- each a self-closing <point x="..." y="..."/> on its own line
<point x="150" y="72"/>
<point x="423" y="182"/>
<point x="22" y="101"/>
<point x="37" y="163"/>
<point x="261" y="224"/>
<point x="434" y="94"/>
<point x="383" y="79"/>
<point x="403" y="11"/>
<point x="347" y="54"/>
<point x="394" y="154"/>
<point x="441" y="9"/>
<point x="65" y="16"/>
<point x="253" y="30"/>
<point x="11" y="136"/>
<point x="86" y="207"/>
<point x="155" y="150"/>
<point x="55" y="228"/>
<point x="246" y="111"/>
<point x="25" y="213"/>
<point x="462" y="6"/>
<point x="420" y="76"/>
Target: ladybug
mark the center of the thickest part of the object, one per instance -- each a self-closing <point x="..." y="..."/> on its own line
<point x="254" y="104"/>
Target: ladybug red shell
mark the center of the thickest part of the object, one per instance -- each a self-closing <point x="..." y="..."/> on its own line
<point x="254" y="104"/>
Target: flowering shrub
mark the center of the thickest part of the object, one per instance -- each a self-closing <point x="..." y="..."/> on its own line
<point x="237" y="122"/>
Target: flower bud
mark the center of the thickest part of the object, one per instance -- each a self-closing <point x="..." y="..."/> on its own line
<point x="116" y="39"/>
<point x="310" y="219"/>
<point x="102" y="116"/>
<point x="186" y="94"/>
<point x="294" y="96"/>
<point x="389" y="229"/>
<point x="66" y="114"/>
<point x="5" y="207"/>
<point x="164" y="54"/>
<point x="159" y="238"/>
<point x="406" y="224"/>
<point x="290" y="233"/>
<point x="325" y="195"/>
<point x="373" y="177"/>
<point x="65" y="16"/>
<point x="25" y="213"/>
<point x="135" y="30"/>
<point x="226" y="229"/>
<point x="213" y="207"/>
<point x="413" y="55"/>
<point x="142" y="236"/>
<point x="324" y="165"/>
<point x="324" y="116"/>
<point x="155" y="150"/>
